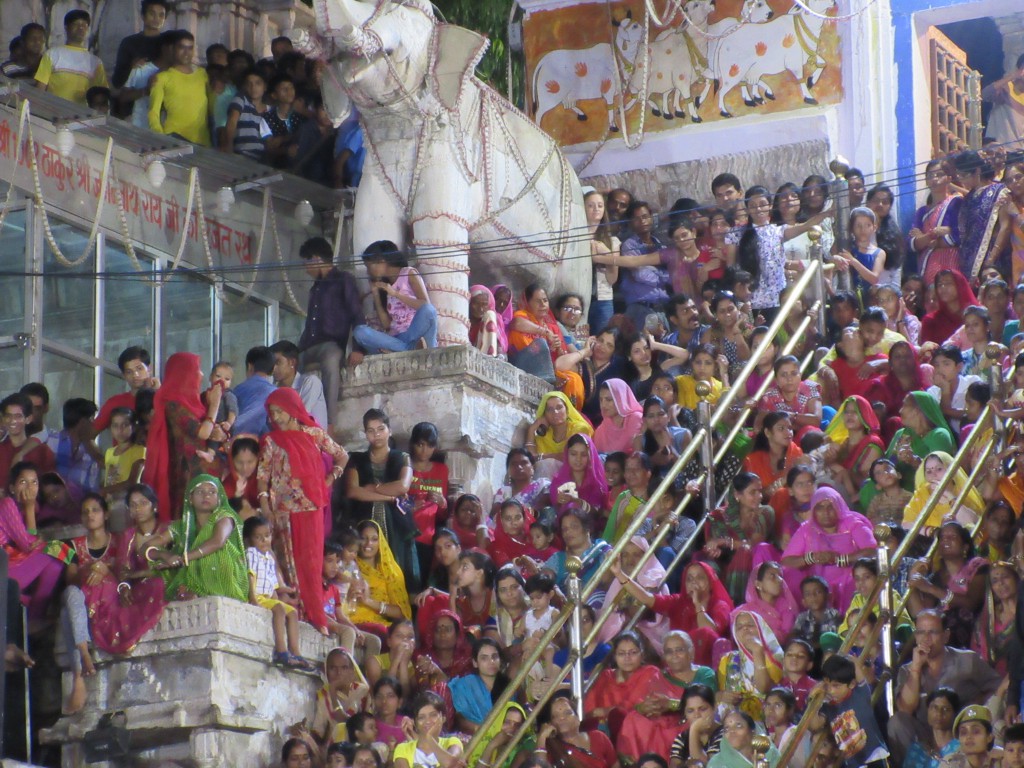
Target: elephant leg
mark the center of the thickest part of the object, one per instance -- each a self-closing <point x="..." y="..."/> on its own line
<point x="442" y="244"/>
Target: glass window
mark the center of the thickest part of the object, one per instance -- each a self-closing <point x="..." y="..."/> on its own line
<point x="188" y="317"/>
<point x="66" y="378"/>
<point x="128" y="304"/>
<point x="290" y="324"/>
<point x="12" y="288"/>
<point x="12" y="370"/>
<point x="69" y="302"/>
<point x="243" y="326"/>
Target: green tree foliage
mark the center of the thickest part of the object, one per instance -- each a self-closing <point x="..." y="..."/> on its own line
<point x="488" y="17"/>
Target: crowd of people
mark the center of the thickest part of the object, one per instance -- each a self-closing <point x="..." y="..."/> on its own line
<point x="270" y="110"/>
<point x="214" y="485"/>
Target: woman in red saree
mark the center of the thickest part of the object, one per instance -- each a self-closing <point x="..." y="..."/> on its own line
<point x="854" y="440"/>
<point x="953" y="295"/>
<point x="563" y="742"/>
<point x="240" y="479"/>
<point x="534" y="331"/>
<point x="622" y="685"/>
<point x="906" y="374"/>
<point x="178" y="431"/>
<point x="654" y="723"/>
<point x="511" y="533"/>
<point x="701" y="610"/>
<point x="293" y="494"/>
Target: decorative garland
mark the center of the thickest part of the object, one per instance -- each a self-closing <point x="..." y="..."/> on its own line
<point x="22" y="119"/>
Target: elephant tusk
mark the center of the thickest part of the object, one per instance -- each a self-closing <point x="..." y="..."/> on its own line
<point x="359" y="41"/>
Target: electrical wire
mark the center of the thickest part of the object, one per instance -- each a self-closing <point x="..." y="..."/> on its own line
<point x="902" y="180"/>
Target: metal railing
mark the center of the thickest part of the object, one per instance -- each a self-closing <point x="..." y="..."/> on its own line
<point x="699" y="440"/>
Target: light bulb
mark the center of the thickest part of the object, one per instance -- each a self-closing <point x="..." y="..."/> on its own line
<point x="304" y="212"/>
<point x="156" y="172"/>
<point x="225" y="199"/>
<point x="65" y="142"/>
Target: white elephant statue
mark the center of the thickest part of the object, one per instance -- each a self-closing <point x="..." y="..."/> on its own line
<point x="452" y="168"/>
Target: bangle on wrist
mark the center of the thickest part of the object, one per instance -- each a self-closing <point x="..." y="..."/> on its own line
<point x="146" y="554"/>
<point x="263" y="495"/>
<point x="124" y="584"/>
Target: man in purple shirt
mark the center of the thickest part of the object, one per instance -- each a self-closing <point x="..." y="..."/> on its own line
<point x="334" y="309"/>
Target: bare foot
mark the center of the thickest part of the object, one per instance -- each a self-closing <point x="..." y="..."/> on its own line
<point x="79" y="695"/>
<point x="88" y="668"/>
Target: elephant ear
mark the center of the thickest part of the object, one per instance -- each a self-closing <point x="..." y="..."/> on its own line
<point x="459" y="50"/>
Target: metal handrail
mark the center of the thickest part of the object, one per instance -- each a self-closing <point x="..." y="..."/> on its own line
<point x="634" y="525"/>
<point x="815" y="701"/>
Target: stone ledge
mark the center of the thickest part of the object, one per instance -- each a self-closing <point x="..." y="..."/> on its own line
<point x="202" y="673"/>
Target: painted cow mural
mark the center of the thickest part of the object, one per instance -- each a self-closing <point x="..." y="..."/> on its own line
<point x="767" y="56"/>
<point x="567" y="77"/>
<point x="786" y="43"/>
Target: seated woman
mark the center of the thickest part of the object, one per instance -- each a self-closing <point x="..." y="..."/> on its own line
<point x="746" y="675"/>
<point x="792" y="504"/>
<point x="511" y="538"/>
<point x="953" y="295"/>
<point x="486" y="330"/>
<point x="385" y="599"/>
<point x="473" y="596"/>
<point x="993" y="638"/>
<point x="841" y="377"/>
<point x="556" y="421"/>
<point x="955" y="584"/>
<point x="924" y="431"/>
<point x="660" y="441"/>
<point x="800" y="399"/>
<point x="426" y="745"/>
<point x="621" y="417"/>
<point x="400" y="300"/>
<point x="444" y="652"/>
<point x="774" y="452"/>
<point x="938" y="742"/>
<point x="738" y="744"/>
<point x="828" y="543"/>
<point x="632" y="500"/>
<point x="521" y="484"/>
<point x="726" y="332"/>
<point x="929" y="474"/>
<point x="343" y="694"/>
<point x="581" y="483"/>
<point x="240" y="478"/>
<point x="392" y="725"/>
<point x="781" y="716"/>
<point x="36" y="572"/>
<point x="906" y="374"/>
<point x="853" y="443"/>
<point x="769" y="596"/>
<point x="562" y="742"/>
<point x="701" y="609"/>
<point x="535" y="345"/>
<point x="605" y="364"/>
<point x="474" y="695"/>
<point x="622" y="685"/>
<point x="97" y="603"/>
<point x="738" y="530"/>
<point x="506" y="729"/>
<point x="396" y="661"/>
<point x="644" y="368"/>
<point x="510" y="606"/>
<point x="702" y="734"/>
<point x="574" y="528"/>
<point x="898" y="318"/>
<point x="651" y="577"/>
<point x="206" y="555"/>
<point x="653" y="724"/>
<point x="977" y="335"/>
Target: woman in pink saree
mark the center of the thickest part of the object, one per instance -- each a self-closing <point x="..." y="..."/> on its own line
<point x="652" y="578"/>
<point x="829" y="543"/>
<point x="622" y="417"/>
<point x="935" y="235"/>
<point x="580" y="482"/>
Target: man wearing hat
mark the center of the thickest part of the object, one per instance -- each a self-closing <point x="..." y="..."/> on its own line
<point x="973" y="727"/>
<point x="933" y="665"/>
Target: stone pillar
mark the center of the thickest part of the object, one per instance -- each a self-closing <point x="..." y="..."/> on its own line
<point x="199" y="689"/>
<point x="481" y="407"/>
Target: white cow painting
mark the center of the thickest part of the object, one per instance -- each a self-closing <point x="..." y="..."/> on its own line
<point x="565" y="77"/>
<point x="786" y="43"/>
<point x="678" y="61"/>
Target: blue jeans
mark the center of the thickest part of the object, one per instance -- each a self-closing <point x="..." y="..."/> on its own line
<point x="600" y="313"/>
<point x="423" y="326"/>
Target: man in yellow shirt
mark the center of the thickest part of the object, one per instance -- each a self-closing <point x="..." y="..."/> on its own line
<point x="69" y="71"/>
<point x="1006" y="120"/>
<point x="179" y="102"/>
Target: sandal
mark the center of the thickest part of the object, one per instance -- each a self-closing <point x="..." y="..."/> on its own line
<point x="299" y="663"/>
<point x="281" y="659"/>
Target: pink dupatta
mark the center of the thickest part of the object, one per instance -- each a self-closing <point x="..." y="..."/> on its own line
<point x="610" y="438"/>
<point x="594" y="489"/>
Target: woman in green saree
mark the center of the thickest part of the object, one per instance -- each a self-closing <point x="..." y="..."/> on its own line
<point x="202" y="554"/>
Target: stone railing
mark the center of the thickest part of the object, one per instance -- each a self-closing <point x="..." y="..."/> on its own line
<point x="199" y="688"/>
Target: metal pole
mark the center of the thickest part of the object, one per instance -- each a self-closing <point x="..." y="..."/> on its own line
<point x="707" y="447"/>
<point x="840" y="192"/>
<point x="882" y="533"/>
<point x="816" y="251"/>
<point x="761" y="745"/>
<point x="574" y="565"/>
